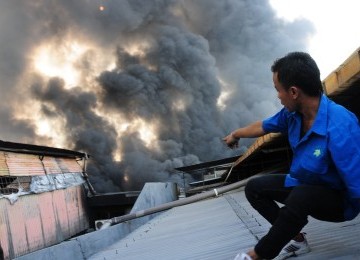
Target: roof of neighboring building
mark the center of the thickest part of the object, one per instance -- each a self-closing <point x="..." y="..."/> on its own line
<point x="344" y="76"/>
<point x="39" y="150"/>
<point x="219" y="228"/>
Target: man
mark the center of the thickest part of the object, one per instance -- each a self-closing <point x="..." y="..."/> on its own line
<point x="324" y="177"/>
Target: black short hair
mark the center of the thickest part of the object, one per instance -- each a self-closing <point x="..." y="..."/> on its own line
<point x="299" y="69"/>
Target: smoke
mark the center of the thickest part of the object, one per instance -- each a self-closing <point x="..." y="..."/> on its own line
<point x="143" y="86"/>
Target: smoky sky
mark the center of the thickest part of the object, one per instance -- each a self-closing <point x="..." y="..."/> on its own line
<point x="189" y="54"/>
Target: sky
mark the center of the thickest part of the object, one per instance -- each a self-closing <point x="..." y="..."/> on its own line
<point x="337" y="34"/>
<point x="146" y="86"/>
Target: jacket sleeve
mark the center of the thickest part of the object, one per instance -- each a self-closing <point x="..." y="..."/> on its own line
<point x="277" y="123"/>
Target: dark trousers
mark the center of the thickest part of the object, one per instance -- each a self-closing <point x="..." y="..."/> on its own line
<point x="299" y="202"/>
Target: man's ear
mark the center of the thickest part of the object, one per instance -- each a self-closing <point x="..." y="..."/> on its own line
<point x="294" y="91"/>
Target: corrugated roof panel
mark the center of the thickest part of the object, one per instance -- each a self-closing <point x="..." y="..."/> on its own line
<point x="208" y="229"/>
<point x="16" y="164"/>
<point x="68" y="165"/>
<point x="219" y="228"/>
<point x="4" y="170"/>
<point x="24" y="164"/>
<point x="51" y="166"/>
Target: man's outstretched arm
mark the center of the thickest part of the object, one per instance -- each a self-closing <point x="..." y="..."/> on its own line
<point x="253" y="130"/>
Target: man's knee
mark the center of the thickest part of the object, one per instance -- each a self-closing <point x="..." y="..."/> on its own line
<point x="260" y="183"/>
<point x="255" y="187"/>
<point x="252" y="187"/>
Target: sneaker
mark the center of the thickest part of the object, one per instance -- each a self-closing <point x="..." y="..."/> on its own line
<point x="242" y="256"/>
<point x="294" y="248"/>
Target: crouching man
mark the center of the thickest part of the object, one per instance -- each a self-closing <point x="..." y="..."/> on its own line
<point x="324" y="177"/>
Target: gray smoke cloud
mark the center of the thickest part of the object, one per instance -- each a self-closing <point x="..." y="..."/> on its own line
<point x="190" y="71"/>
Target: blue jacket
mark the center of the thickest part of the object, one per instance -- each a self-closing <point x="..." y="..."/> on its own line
<point x="328" y="154"/>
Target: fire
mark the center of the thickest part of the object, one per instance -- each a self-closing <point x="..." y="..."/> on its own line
<point x="221" y="102"/>
<point x="179" y="105"/>
<point x="62" y="59"/>
<point x="48" y="128"/>
<point x="224" y="95"/>
<point x="136" y="49"/>
<point x="43" y="127"/>
<point x="146" y="130"/>
<point x="52" y="130"/>
<point x="147" y="133"/>
<point x="59" y="61"/>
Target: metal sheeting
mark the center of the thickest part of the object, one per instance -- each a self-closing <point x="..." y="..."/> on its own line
<point x="23" y="164"/>
<point x="4" y="169"/>
<point x="16" y="164"/>
<point x="51" y="165"/>
<point x="221" y="227"/>
<point x="38" y="221"/>
<point x="207" y="229"/>
<point x="69" y="165"/>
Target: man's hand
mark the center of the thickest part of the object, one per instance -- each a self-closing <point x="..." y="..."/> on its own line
<point x="231" y="141"/>
<point x="253" y="130"/>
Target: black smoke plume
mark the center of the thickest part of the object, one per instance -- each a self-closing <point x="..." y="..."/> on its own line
<point x="190" y="71"/>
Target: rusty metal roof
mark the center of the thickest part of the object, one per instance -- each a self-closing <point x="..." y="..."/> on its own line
<point x="19" y="164"/>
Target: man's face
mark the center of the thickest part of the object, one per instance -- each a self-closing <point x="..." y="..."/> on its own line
<point x="286" y="96"/>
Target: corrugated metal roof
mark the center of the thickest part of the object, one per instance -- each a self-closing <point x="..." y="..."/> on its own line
<point x="219" y="228"/>
<point x="17" y="164"/>
<point x="209" y="229"/>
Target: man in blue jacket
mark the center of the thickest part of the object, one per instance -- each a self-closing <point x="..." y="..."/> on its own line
<point x="324" y="177"/>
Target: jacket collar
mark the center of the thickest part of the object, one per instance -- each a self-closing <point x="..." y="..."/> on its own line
<point x="320" y="124"/>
